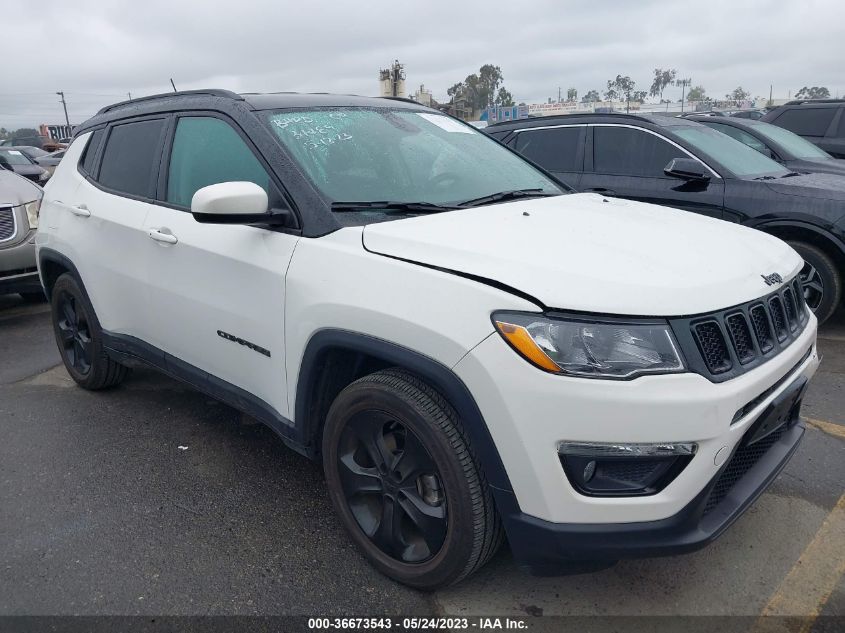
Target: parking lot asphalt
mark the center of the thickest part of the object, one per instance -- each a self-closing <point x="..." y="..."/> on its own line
<point x="104" y="512"/>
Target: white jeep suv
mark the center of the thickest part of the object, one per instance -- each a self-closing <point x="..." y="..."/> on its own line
<point x="470" y="349"/>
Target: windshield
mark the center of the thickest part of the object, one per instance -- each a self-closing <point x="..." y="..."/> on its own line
<point x="14" y="157"/>
<point x="740" y="159"/>
<point x="369" y="155"/>
<point x="792" y="143"/>
<point x="34" y="152"/>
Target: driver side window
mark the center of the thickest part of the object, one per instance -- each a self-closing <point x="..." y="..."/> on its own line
<point x="625" y="151"/>
<point x="207" y="151"/>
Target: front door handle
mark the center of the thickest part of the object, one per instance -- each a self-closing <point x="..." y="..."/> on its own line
<point x="601" y="190"/>
<point x="163" y="235"/>
<point x="82" y="211"/>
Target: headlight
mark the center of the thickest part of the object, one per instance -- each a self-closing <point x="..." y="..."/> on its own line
<point x="592" y="349"/>
<point x="32" y="209"/>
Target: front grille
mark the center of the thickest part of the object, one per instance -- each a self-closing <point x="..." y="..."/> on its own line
<point x="713" y="347"/>
<point x="742" y="461"/>
<point x="762" y="329"/>
<point x="741" y="337"/>
<point x="730" y="342"/>
<point x="778" y="318"/>
<point x="7" y="224"/>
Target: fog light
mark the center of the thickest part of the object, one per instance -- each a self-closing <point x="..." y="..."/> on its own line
<point x="611" y="469"/>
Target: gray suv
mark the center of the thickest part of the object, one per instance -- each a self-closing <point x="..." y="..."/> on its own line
<point x="20" y="202"/>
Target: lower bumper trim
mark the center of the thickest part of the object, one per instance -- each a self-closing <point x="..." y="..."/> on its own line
<point x="543" y="547"/>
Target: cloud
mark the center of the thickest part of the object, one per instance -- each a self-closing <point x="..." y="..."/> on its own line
<point x="97" y="51"/>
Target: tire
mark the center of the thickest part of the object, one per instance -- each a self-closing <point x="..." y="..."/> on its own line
<point x="821" y="279"/>
<point x="393" y="447"/>
<point x="80" y="338"/>
<point x="37" y="296"/>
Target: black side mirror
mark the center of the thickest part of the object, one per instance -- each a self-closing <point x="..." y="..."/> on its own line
<point x="687" y="169"/>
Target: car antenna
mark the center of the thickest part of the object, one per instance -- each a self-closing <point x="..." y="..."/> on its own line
<point x="173" y="84"/>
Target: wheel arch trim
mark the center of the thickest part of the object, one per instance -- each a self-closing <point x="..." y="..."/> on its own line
<point x="439" y="376"/>
<point x="48" y="255"/>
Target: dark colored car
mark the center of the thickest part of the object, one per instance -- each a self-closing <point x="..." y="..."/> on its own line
<point x="820" y="121"/>
<point x="790" y="150"/>
<point x="680" y="163"/>
<point x="16" y="160"/>
<point x="33" y="152"/>
<point x="754" y="115"/>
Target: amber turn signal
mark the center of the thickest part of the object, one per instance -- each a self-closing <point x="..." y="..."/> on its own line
<point x="521" y="341"/>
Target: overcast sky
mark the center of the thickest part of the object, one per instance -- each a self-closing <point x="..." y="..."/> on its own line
<point x="99" y="50"/>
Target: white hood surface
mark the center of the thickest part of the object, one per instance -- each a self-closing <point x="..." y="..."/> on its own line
<point x="587" y="253"/>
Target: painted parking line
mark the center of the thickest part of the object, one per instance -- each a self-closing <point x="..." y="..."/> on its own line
<point x="808" y="585"/>
<point x="830" y="428"/>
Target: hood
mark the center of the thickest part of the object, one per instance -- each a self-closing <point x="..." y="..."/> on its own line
<point x="586" y="253"/>
<point x="821" y="186"/>
<point x="822" y="166"/>
<point x="16" y="190"/>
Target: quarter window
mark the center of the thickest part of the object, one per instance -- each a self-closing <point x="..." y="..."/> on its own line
<point x="91" y="151"/>
<point x="630" y="152"/>
<point x="807" y="121"/>
<point x="131" y="157"/>
<point x="207" y="151"/>
<point x="555" y="149"/>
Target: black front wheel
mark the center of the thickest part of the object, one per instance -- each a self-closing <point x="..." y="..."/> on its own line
<point x="405" y="483"/>
<point x="79" y="337"/>
<point x="821" y="280"/>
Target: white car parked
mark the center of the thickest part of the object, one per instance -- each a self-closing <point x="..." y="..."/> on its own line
<point x="472" y="351"/>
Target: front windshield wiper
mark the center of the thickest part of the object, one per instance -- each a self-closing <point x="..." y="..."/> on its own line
<point x="792" y="173"/>
<point x="765" y="178"/>
<point x="508" y="195"/>
<point x="370" y="205"/>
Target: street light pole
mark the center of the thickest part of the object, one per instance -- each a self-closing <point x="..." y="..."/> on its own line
<point x="64" y="105"/>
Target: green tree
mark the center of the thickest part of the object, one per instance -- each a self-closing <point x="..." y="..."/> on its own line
<point x="623" y="87"/>
<point x="571" y="94"/>
<point x="591" y="96"/>
<point x="738" y="94"/>
<point x="504" y="98"/>
<point x="697" y="93"/>
<point x="816" y="92"/>
<point x="662" y="78"/>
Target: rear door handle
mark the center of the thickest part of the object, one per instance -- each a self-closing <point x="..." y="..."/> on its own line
<point x="161" y="236"/>
<point x="601" y="190"/>
<point x="82" y="211"/>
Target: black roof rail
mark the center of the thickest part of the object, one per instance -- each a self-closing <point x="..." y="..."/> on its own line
<point x="212" y="92"/>
<point x="628" y="115"/>
<point x="405" y="99"/>
<point x="803" y="101"/>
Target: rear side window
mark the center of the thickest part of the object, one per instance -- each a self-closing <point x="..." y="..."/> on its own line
<point x="207" y="151"/>
<point x="630" y="152"/>
<point x="91" y="151"/>
<point x="806" y="121"/>
<point x="131" y="157"/>
<point x="555" y="149"/>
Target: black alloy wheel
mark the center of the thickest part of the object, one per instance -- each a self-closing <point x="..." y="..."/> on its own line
<point x="75" y="336"/>
<point x="392" y="486"/>
<point x="405" y="482"/>
<point x="821" y="280"/>
<point x="813" y="286"/>
<point x="80" y="338"/>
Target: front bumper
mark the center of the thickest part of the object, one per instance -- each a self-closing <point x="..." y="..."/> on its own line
<point x="529" y="412"/>
<point x="18" y="270"/>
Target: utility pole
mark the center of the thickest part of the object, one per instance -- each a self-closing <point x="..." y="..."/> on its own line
<point x="683" y="83"/>
<point x="558" y="94"/>
<point x="64" y="105"/>
<point x="770" y="94"/>
<point x="129" y="94"/>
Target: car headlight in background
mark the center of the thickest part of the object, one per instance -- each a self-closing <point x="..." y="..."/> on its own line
<point x="591" y="349"/>
<point x="32" y="209"/>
